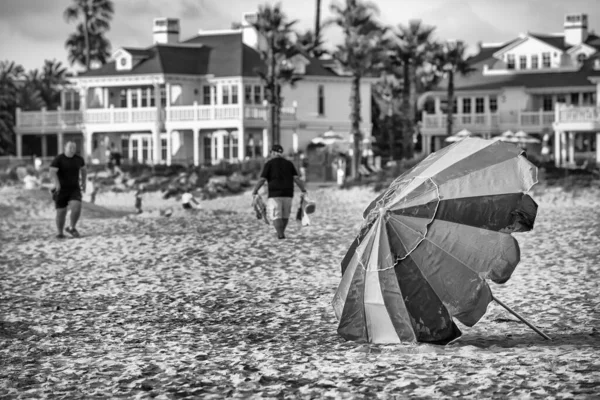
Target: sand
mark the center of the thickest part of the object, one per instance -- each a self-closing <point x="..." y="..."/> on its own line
<point x="209" y="304"/>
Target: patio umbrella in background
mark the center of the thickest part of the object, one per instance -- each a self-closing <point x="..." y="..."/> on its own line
<point x="457" y="137"/>
<point x="505" y="137"/>
<point x="336" y="142"/>
<point x="430" y="241"/>
<point x="522" y="137"/>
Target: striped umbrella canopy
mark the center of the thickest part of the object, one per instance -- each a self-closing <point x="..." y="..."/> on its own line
<point x="429" y="242"/>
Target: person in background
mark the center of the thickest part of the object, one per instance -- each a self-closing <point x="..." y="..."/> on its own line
<point x="138" y="199"/>
<point x="303" y="166"/>
<point x="70" y="177"/>
<point x="93" y="190"/>
<point x="188" y="201"/>
<point x="280" y="175"/>
<point x="31" y="181"/>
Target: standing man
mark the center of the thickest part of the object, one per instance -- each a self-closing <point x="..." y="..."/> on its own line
<point x="65" y="171"/>
<point x="280" y="174"/>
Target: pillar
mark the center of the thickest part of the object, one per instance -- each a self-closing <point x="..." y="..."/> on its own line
<point x="196" y="147"/>
<point x="87" y="151"/>
<point x="157" y="127"/>
<point x="60" y="142"/>
<point x="241" y="137"/>
<point x="44" y="145"/>
<point x="563" y="149"/>
<point x="265" y="142"/>
<point x="598" y="148"/>
<point x="169" y="147"/>
<point x="19" y="144"/>
<point x="213" y="148"/>
<point x="557" y="148"/>
<point x="571" y="148"/>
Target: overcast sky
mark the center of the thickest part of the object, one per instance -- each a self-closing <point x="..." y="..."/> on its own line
<point x="34" y="30"/>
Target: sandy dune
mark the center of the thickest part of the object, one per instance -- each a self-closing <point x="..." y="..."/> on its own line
<point x="210" y="305"/>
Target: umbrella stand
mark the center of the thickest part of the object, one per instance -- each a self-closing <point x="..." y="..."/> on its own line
<point x="529" y="324"/>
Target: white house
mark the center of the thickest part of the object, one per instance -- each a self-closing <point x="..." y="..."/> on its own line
<point x="538" y="83"/>
<point x="197" y="101"/>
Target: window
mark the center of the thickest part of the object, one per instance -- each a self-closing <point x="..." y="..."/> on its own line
<point x="125" y="147"/>
<point x="248" y="94"/>
<point x="76" y="101"/>
<point x="134" y="98"/>
<point x="234" y="146"/>
<point x="134" y="149"/>
<point x="145" y="96"/>
<point x="534" y="62"/>
<point x="466" y="105"/>
<point x="145" y="149"/>
<point x="163" y="149"/>
<point x="545" y="60"/>
<point x="510" y="61"/>
<point x="163" y="96"/>
<point x="321" y="101"/>
<point x="258" y="98"/>
<point x="226" y="147"/>
<point x="206" y="95"/>
<point x="586" y="99"/>
<point x="123" y="98"/>
<point x="151" y="97"/>
<point x="575" y="99"/>
<point x="523" y="62"/>
<point x="561" y="98"/>
<point x="493" y="104"/>
<point x="479" y="105"/>
<point x="207" y="144"/>
<point x="547" y="104"/>
<point x="234" y="94"/>
<point x="225" y="98"/>
<point x="581" y="58"/>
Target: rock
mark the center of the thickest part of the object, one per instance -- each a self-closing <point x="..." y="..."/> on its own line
<point x="234" y="186"/>
<point x="21" y="172"/>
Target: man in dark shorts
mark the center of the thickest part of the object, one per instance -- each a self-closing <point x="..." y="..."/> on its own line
<point x="280" y="174"/>
<point x="65" y="171"/>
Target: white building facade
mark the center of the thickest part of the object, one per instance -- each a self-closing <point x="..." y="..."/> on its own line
<point x="543" y="84"/>
<point x="195" y="101"/>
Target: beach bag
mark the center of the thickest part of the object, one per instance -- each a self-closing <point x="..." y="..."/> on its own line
<point x="309" y="205"/>
<point x="260" y="209"/>
<point x="302" y="215"/>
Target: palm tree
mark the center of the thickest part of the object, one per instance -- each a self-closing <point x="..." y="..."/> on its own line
<point x="96" y="16"/>
<point x="53" y="78"/>
<point x="10" y="74"/>
<point x="413" y="48"/>
<point x="357" y="55"/>
<point x="317" y="37"/>
<point x="451" y="59"/>
<point x="76" y="46"/>
<point x="272" y="24"/>
<point x="387" y="96"/>
<point x="311" y="44"/>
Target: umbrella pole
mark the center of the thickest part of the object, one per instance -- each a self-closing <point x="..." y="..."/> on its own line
<point x="529" y="324"/>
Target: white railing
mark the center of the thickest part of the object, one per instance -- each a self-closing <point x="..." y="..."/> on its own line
<point x="507" y="119"/>
<point x="109" y="116"/>
<point x="578" y="114"/>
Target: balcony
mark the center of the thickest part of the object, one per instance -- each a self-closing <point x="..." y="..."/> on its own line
<point x="175" y="117"/>
<point x="531" y="121"/>
<point x="570" y="118"/>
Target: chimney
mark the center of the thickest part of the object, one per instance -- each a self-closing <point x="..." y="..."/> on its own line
<point x="576" y="29"/>
<point x="166" y="30"/>
<point x="250" y="36"/>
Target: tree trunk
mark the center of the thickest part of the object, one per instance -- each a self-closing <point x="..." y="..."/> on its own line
<point x="317" y="22"/>
<point x="355" y="118"/>
<point x="450" y="110"/>
<point x="277" y="119"/>
<point x="272" y="133"/>
<point x="86" y="36"/>
<point x="391" y="136"/>
<point x="407" y="130"/>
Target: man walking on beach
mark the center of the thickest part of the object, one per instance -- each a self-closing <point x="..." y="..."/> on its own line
<point x="280" y="174"/>
<point x="65" y="171"/>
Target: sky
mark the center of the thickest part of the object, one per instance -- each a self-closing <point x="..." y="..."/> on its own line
<point x="32" y="31"/>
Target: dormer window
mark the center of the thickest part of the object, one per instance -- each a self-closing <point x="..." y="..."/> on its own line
<point x="123" y="61"/>
<point x="510" y="61"/>
<point x="546" y="60"/>
<point x="581" y="58"/>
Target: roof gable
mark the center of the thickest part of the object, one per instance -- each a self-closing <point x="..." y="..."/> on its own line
<point x="547" y="43"/>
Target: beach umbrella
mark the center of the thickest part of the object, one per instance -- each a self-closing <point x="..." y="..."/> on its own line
<point x="507" y="136"/>
<point x="429" y="242"/>
<point x="458" y="136"/>
<point x="522" y="137"/>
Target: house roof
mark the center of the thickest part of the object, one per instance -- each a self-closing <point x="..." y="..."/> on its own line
<point x="220" y="54"/>
<point x="556" y="41"/>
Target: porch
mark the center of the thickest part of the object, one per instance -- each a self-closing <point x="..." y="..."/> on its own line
<point x="577" y="136"/>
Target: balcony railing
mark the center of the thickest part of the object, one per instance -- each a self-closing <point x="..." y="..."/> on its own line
<point x="578" y="114"/>
<point x="56" y="120"/>
<point x="498" y="120"/>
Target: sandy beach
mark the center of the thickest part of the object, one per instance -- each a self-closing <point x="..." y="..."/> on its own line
<point x="211" y="305"/>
